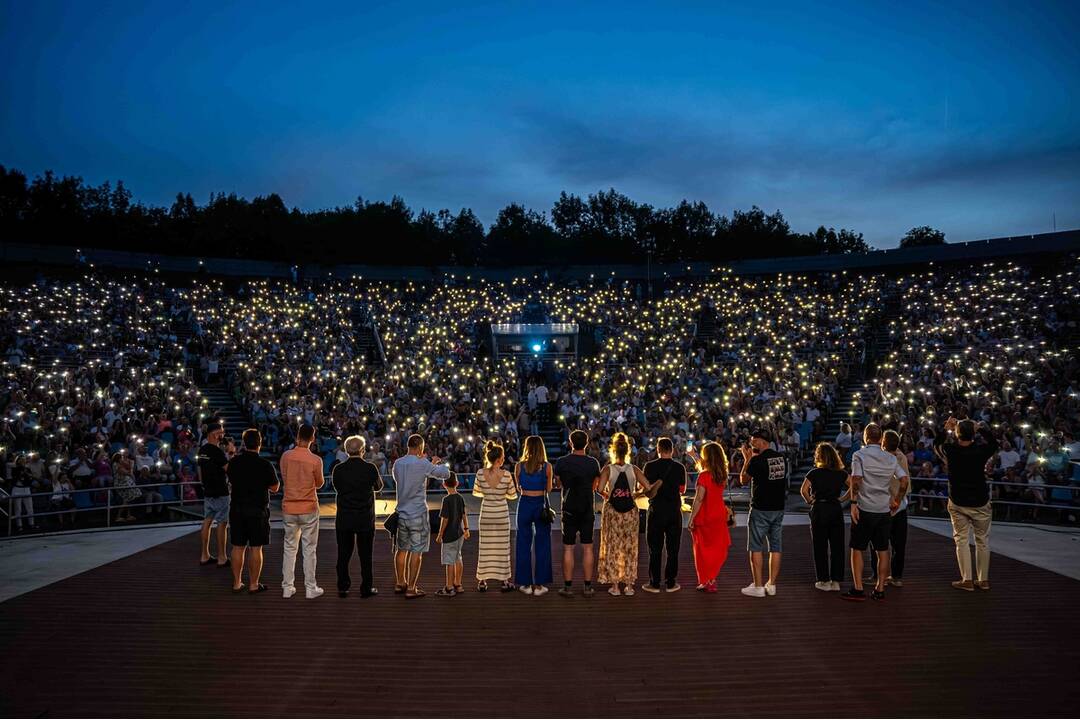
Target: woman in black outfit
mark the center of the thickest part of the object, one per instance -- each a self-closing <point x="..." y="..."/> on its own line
<point x="824" y="488"/>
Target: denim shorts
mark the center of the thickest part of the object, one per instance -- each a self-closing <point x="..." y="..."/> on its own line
<point x="451" y="551"/>
<point x="413" y="535"/>
<point x="216" y="508"/>
<point x="762" y="526"/>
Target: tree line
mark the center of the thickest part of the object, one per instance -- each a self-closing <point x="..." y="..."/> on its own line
<point x="603" y="228"/>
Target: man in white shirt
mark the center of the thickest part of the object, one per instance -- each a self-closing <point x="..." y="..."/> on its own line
<point x="872" y="503"/>
<point x="1007" y="457"/>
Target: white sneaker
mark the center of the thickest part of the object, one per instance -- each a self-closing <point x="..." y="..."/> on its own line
<point x="540" y="590"/>
<point x="629" y="590"/>
<point x="753" y="590"/>
<point x="770" y="589"/>
<point x="835" y="586"/>
<point x="312" y="594"/>
<point x="527" y="589"/>
<point x="288" y="592"/>
<point x="826" y="585"/>
<point x="614" y="590"/>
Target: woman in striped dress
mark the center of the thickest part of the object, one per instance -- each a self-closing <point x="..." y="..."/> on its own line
<point x="621" y="483"/>
<point x="495" y="485"/>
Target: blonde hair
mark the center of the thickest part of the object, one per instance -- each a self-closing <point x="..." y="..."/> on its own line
<point x="619" y="449"/>
<point x="825" y="456"/>
<point x="714" y="461"/>
<point x="533" y="454"/>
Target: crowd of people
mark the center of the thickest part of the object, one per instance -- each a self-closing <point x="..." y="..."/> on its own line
<point x="102" y="376"/>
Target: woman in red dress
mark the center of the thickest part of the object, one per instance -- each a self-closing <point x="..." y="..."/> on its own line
<point x="709" y="517"/>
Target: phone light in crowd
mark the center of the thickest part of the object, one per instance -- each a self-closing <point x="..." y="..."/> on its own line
<point x="537" y="347"/>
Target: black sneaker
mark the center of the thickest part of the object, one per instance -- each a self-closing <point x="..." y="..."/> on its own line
<point x="878" y="595"/>
<point x="853" y="594"/>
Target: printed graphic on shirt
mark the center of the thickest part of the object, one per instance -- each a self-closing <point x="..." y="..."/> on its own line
<point x="777" y="468"/>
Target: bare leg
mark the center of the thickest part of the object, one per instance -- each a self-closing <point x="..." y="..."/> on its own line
<point x="237" y="567"/>
<point x="412" y="574"/>
<point x="857" y="568"/>
<point x="222" y="542"/>
<point x="204" y="540"/>
<point x="757" y="560"/>
<point x="884" y="561"/>
<point x="588" y="560"/>
<point x="774" y="567"/>
<point x="399" y="568"/>
<point x="568" y="562"/>
<point x="255" y="566"/>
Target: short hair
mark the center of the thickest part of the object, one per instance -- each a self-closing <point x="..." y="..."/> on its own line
<point x="355" y="445"/>
<point x="826" y="456"/>
<point x="252" y="439"/>
<point x="665" y="445"/>
<point x="871" y="434"/>
<point x="579" y="440"/>
<point x="415" y="441"/>
<point x="305" y="433"/>
<point x="451" y="480"/>
<point x="965" y="430"/>
<point x="890" y="440"/>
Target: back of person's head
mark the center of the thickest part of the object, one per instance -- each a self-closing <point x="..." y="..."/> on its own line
<point x="252" y="439"/>
<point x="826" y="456"/>
<point x="355" y="445"/>
<point x="533" y="454"/>
<point x="619" y="450"/>
<point x="872" y="434"/>
<point x="890" y="440"/>
<point x="579" y="440"/>
<point x="416" y="442"/>
<point x="493" y="452"/>
<point x="451" y="481"/>
<point x="305" y="434"/>
<point x="665" y="446"/>
<point x="965" y="430"/>
<point x="714" y="461"/>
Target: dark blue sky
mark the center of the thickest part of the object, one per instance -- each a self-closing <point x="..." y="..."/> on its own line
<point x="959" y="115"/>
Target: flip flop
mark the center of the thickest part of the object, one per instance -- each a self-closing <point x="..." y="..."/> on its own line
<point x="417" y="594"/>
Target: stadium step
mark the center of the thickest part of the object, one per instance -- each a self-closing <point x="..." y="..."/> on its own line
<point x="220" y="402"/>
<point x="552" y="434"/>
<point x="367" y="343"/>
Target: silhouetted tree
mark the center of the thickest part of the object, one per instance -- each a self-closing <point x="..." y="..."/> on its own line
<point x="922" y="236"/>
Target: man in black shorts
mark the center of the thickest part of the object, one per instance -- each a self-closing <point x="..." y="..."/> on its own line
<point x="578" y="475"/>
<point x="253" y="478"/>
<point x="872" y="505"/>
<point x="664" y="520"/>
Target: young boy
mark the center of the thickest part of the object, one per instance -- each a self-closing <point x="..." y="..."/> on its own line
<point x="453" y="531"/>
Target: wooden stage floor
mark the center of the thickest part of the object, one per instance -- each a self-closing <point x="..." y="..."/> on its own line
<point x="154" y="634"/>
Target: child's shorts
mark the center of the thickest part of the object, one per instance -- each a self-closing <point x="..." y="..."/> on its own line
<point x="451" y="551"/>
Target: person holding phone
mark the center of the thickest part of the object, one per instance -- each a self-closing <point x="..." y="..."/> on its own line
<point x="663" y="527"/>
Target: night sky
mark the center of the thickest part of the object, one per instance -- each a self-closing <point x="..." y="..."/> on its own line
<point x="960" y="115"/>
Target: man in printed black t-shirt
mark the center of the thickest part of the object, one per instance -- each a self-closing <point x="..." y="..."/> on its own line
<point x="766" y="470"/>
<point x="251" y="479"/>
<point x="969" y="495"/>
<point x="578" y="475"/>
<point x="215" y="486"/>
<point x="664" y="519"/>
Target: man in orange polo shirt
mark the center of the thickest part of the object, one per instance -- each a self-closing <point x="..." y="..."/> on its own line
<point x="302" y="475"/>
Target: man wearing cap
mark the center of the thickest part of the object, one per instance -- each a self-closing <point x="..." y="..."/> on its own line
<point x="211" y="472"/>
<point x="766" y="470"/>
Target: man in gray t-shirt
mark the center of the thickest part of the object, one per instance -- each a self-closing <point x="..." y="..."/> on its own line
<point x="413" y="537"/>
<point x="872" y="504"/>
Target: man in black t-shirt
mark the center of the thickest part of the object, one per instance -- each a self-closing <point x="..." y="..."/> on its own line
<point x="578" y="475"/>
<point x="969" y="496"/>
<point x="215" y="484"/>
<point x="766" y="470"/>
<point x="251" y="478"/>
<point x="356" y="481"/>
<point x="664" y="520"/>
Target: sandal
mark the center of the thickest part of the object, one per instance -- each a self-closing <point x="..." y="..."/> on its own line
<point x="446" y="592"/>
<point x="209" y="561"/>
<point x="417" y="593"/>
<point x="399" y="589"/>
<point x="261" y="588"/>
<point x="481" y="586"/>
<point x="237" y="591"/>
<point x="458" y="589"/>
<point x="224" y="564"/>
<point x="507" y="587"/>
